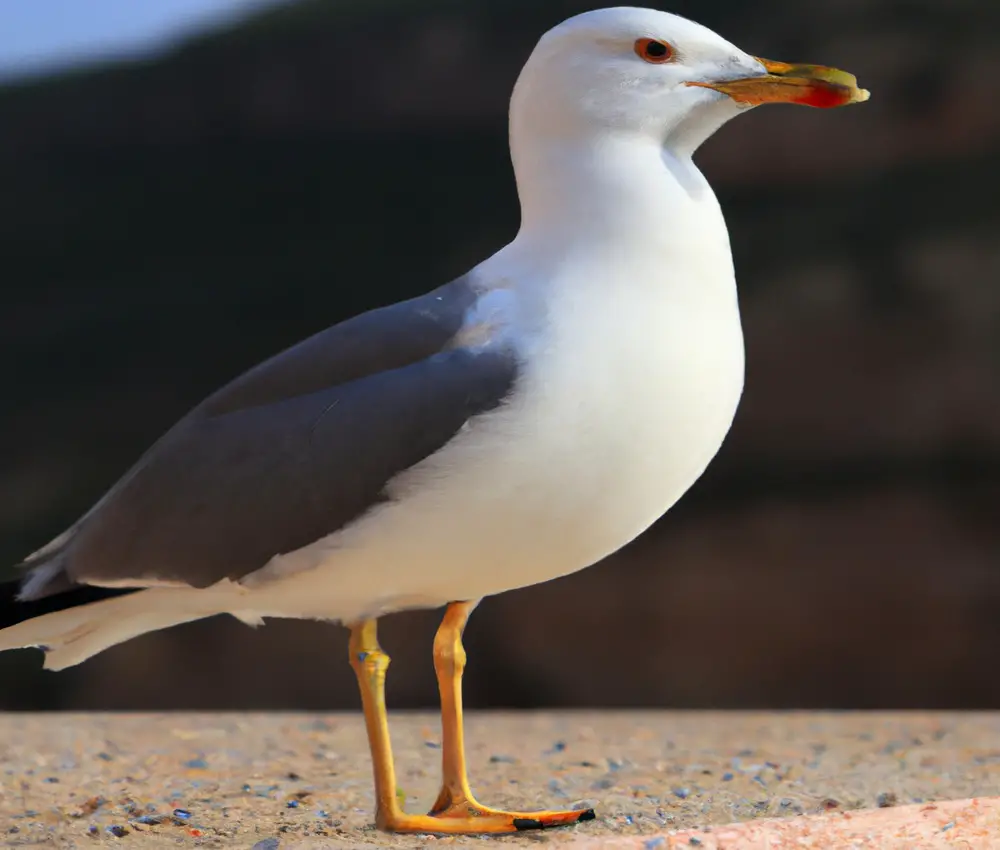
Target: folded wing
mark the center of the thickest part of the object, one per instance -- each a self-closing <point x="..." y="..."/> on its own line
<point x="289" y="452"/>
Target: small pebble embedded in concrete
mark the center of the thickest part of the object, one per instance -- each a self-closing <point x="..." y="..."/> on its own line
<point x="886" y="799"/>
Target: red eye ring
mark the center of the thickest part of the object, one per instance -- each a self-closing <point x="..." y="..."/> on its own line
<point x="653" y="51"/>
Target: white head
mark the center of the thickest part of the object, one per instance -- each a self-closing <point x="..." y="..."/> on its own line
<point x="652" y="74"/>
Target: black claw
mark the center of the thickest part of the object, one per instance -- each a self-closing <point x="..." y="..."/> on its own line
<point x="533" y="823"/>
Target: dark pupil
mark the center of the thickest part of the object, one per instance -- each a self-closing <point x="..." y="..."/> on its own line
<point x="656" y="50"/>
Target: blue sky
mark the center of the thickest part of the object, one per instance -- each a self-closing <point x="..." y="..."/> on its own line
<point x="40" y="35"/>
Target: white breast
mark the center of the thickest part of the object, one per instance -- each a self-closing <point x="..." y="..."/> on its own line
<point x="641" y="408"/>
<point x="625" y="404"/>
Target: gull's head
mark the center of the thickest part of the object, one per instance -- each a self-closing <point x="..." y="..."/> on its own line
<point x="653" y="74"/>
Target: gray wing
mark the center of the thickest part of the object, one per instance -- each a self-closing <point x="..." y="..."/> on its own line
<point x="289" y="452"/>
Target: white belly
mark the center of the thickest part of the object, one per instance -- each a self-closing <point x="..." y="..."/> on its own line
<point x="598" y="442"/>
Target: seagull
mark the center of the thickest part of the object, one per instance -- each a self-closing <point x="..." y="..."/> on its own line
<point x="512" y="426"/>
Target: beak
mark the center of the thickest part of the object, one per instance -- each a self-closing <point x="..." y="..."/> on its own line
<point x="812" y="85"/>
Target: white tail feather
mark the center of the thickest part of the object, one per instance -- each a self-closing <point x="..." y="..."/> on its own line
<point x="74" y="635"/>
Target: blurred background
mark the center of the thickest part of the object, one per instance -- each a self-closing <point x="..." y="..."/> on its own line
<point x="189" y="186"/>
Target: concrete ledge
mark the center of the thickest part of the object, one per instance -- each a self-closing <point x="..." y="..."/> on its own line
<point x="657" y="779"/>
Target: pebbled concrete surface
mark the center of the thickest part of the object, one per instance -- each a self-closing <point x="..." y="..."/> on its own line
<point x="287" y="780"/>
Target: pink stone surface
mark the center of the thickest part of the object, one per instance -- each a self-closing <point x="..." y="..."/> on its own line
<point x="973" y="824"/>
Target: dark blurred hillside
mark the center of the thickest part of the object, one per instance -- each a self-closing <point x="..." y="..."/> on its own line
<point x="166" y="224"/>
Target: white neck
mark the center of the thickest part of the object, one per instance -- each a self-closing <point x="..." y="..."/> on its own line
<point x="626" y="199"/>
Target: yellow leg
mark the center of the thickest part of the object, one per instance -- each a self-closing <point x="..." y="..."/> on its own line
<point x="370" y="663"/>
<point x="456" y="811"/>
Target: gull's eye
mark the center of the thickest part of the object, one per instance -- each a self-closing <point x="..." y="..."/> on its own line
<point x="653" y="51"/>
